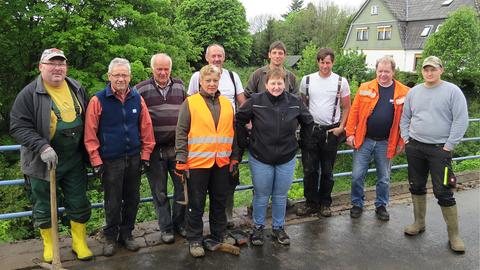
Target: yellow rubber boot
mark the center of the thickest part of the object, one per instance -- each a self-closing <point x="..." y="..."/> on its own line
<point x="79" y="241"/>
<point x="47" y="244"/>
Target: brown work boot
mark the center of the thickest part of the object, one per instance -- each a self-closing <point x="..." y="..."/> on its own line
<point x="109" y="248"/>
<point x="325" y="211"/>
<point x="451" y="219"/>
<point x="419" y="211"/>
<point x="307" y="209"/>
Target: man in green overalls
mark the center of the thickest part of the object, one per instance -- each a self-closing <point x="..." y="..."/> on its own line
<point x="47" y="119"/>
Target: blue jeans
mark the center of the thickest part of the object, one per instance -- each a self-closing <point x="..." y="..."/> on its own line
<point x="270" y="181"/>
<point x="361" y="159"/>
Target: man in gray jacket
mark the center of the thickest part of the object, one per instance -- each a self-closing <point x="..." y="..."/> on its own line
<point x="47" y="120"/>
<point x="434" y="120"/>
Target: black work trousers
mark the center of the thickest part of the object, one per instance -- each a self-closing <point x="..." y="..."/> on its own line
<point x="213" y="180"/>
<point x="121" y="184"/>
<point x="424" y="158"/>
<point x="318" y="159"/>
<point x="162" y="162"/>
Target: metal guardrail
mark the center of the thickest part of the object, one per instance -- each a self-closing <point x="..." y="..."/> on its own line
<point x="238" y="188"/>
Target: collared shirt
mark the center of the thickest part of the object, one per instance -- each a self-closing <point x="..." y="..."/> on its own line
<point x="164" y="90"/>
<point x="92" y="119"/>
<point x="256" y="82"/>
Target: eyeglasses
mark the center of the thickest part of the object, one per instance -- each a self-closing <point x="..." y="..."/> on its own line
<point x="118" y="76"/>
<point x="59" y="65"/>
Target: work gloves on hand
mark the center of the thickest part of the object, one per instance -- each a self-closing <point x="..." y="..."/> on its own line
<point x="181" y="171"/>
<point x="50" y="157"/>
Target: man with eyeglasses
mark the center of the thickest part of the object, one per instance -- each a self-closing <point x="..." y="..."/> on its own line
<point x="119" y="140"/>
<point x="47" y="120"/>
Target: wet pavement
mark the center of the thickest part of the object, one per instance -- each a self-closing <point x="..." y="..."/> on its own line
<point x="338" y="242"/>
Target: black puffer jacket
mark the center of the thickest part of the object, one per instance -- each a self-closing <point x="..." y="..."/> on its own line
<point x="274" y="122"/>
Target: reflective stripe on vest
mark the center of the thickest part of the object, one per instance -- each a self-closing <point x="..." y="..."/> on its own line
<point x="367" y="93"/>
<point x="208" y="145"/>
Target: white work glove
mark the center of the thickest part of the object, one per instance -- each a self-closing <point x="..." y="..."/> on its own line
<point x="50" y="157"/>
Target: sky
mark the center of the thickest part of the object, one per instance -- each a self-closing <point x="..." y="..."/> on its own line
<point x="278" y="7"/>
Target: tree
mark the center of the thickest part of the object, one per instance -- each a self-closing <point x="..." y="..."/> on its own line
<point x="91" y="33"/>
<point x="457" y="43"/>
<point x="217" y="21"/>
<point x="295" y="6"/>
<point x="308" y="63"/>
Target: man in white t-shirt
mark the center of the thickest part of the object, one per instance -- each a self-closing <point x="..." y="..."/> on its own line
<point x="328" y="97"/>
<point x="230" y="86"/>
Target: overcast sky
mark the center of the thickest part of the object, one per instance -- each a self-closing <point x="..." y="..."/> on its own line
<point x="278" y="7"/>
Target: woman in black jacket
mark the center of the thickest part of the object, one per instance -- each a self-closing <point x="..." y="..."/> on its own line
<point x="275" y="115"/>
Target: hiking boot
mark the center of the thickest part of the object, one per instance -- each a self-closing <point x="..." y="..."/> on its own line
<point x="196" y="249"/>
<point x="281" y="236"/>
<point x="257" y="236"/>
<point x="307" y="209"/>
<point x="355" y="211"/>
<point x="325" y="211"/>
<point x="382" y="213"/>
<point x="227" y="239"/>
<point x="130" y="244"/>
<point x="109" y="248"/>
<point x="167" y="237"/>
<point x="181" y="231"/>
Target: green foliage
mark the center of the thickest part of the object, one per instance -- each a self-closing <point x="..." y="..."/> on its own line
<point x="351" y="65"/>
<point x="91" y="33"/>
<point x="410" y="79"/>
<point x="457" y="43"/>
<point x="308" y="62"/>
<point x="295" y="6"/>
<point x="320" y="24"/>
<point x="217" y="21"/>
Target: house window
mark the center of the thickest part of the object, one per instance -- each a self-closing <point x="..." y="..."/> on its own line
<point x="438" y="28"/>
<point x="426" y="30"/>
<point x="362" y="33"/>
<point x="447" y="3"/>
<point x="416" y="62"/>
<point x="384" y="32"/>
<point x="374" y="10"/>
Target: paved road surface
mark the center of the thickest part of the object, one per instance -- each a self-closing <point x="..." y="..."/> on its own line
<point x="336" y="243"/>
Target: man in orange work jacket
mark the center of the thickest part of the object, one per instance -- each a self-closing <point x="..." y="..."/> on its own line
<point x="373" y="130"/>
<point x="205" y="147"/>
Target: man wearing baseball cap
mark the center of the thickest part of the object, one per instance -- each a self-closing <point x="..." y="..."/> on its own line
<point x="47" y="119"/>
<point x="434" y="120"/>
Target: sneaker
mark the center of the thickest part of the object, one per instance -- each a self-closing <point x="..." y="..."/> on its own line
<point x="130" y="244"/>
<point x="325" y="211"/>
<point x="355" y="211"/>
<point x="181" y="231"/>
<point x="281" y="236"/>
<point x="227" y="239"/>
<point x="382" y="213"/>
<point x="167" y="237"/>
<point x="307" y="209"/>
<point x="196" y="249"/>
<point x="257" y="236"/>
<point x="109" y="248"/>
